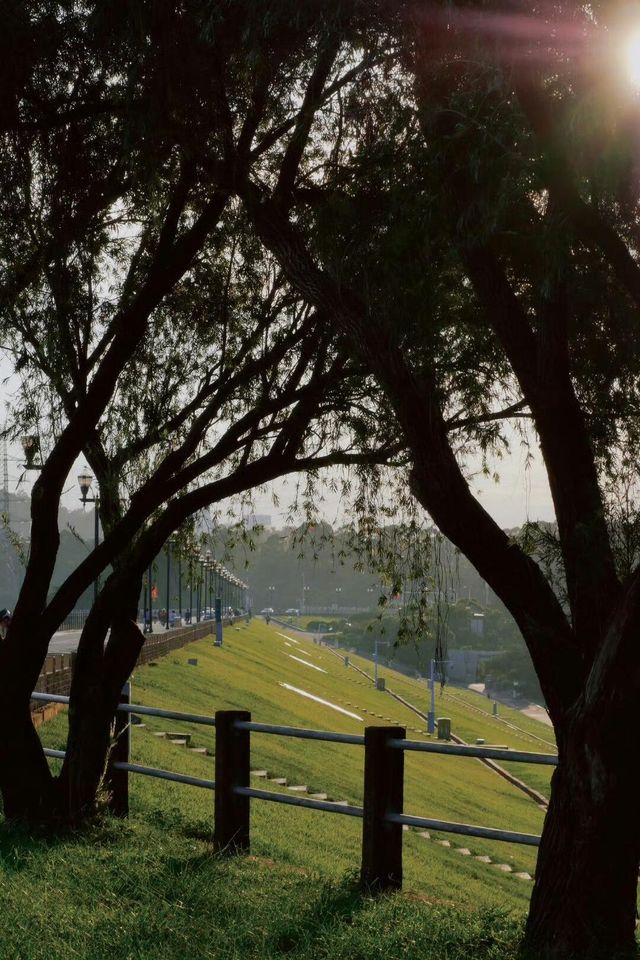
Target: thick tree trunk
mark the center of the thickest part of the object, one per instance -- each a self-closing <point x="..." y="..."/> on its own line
<point x="25" y="780"/>
<point x="584" y="899"/>
<point x="100" y="673"/>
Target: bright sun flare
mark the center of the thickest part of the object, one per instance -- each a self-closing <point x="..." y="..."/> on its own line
<point x="633" y="58"/>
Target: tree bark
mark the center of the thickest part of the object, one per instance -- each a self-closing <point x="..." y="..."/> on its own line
<point x="26" y="783"/>
<point x="584" y="899"/>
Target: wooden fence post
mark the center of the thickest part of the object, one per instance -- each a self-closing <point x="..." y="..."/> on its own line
<point x="233" y="760"/>
<point x="118" y="780"/>
<point x="383" y="794"/>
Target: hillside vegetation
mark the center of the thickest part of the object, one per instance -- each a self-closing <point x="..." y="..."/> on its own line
<point x="162" y="894"/>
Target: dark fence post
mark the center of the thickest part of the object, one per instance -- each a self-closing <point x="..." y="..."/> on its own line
<point x="118" y="780"/>
<point x="233" y="760"/>
<point x="383" y="794"/>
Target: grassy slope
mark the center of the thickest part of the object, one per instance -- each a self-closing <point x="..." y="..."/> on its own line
<point x="150" y="888"/>
<point x="246" y="673"/>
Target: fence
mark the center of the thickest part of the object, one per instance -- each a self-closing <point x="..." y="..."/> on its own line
<point x="382" y="810"/>
<point x="56" y="674"/>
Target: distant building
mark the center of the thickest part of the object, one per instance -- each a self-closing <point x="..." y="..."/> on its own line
<point x="257" y="520"/>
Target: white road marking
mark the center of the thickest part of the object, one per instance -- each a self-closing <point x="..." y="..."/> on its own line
<point x="293" y="640"/>
<point x="325" y="703"/>
<point x="307" y="664"/>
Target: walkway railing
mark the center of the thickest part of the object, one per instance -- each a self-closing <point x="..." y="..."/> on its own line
<point x="382" y="809"/>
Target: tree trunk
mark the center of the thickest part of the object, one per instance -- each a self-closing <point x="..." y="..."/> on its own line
<point x="100" y="672"/>
<point x="25" y="780"/>
<point x="584" y="899"/>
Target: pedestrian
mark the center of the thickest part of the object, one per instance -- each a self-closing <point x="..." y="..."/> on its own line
<point x="5" y="620"/>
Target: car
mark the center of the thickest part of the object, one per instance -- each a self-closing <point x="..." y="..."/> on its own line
<point x="293" y="612"/>
<point x="267" y="611"/>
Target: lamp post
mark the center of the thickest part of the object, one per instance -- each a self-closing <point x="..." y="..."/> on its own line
<point x="338" y="592"/>
<point x="85" y="480"/>
<point x="169" y="545"/>
<point x="199" y="561"/>
<point x="272" y="596"/>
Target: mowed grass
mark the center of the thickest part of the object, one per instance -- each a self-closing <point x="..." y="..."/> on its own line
<point x="248" y="672"/>
<point x="150" y="886"/>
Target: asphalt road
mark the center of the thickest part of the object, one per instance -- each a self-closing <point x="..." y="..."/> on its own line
<point x="66" y="641"/>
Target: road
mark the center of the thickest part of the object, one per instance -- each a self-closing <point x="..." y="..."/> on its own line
<point x="66" y="641"/>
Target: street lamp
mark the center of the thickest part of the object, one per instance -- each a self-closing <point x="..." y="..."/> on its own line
<point x="85" y="481"/>
<point x="272" y="594"/>
<point x="169" y="544"/>
<point x="31" y="448"/>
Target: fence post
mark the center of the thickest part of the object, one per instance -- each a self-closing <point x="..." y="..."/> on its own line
<point x="118" y="780"/>
<point x="383" y="794"/>
<point x="231" y="825"/>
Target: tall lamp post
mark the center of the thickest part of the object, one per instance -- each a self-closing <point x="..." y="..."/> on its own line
<point x="85" y="480"/>
<point x="169" y="545"/>
<point x="272" y="594"/>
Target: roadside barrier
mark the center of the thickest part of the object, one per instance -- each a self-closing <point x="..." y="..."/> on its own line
<point x="381" y="813"/>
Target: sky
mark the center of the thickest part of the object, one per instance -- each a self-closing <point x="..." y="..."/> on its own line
<point x="522" y="491"/>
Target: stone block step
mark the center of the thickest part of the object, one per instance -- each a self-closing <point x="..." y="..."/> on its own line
<point x="259" y="773"/>
<point x="505" y="867"/>
<point x="172" y="735"/>
<point x="523" y="875"/>
<point x="159" y="733"/>
<point x="443" y="843"/>
<point x="178" y="741"/>
<point x="281" y="781"/>
<point x="318" y="796"/>
<point x="483" y="858"/>
<point x="198" y="749"/>
<point x="464" y="851"/>
<point x="298" y="788"/>
<point x="425" y="834"/>
<point x="340" y="803"/>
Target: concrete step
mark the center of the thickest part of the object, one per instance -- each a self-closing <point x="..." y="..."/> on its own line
<point x="505" y="867"/>
<point x="298" y="788"/>
<point x="318" y="796"/>
<point x="464" y="851"/>
<point x="178" y="741"/>
<point x="523" y="875"/>
<point x="443" y="843"/>
<point x="173" y="735"/>
<point x="159" y="733"/>
<point x="259" y="773"/>
<point x="483" y="858"/>
<point x="340" y="803"/>
<point x="425" y="834"/>
<point x="281" y="781"/>
<point x="198" y="749"/>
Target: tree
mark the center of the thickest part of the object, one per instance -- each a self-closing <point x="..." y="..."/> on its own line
<point x="119" y="248"/>
<point x="508" y="249"/>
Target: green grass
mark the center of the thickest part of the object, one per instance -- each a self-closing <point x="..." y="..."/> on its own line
<point x="150" y="887"/>
<point x="246" y="674"/>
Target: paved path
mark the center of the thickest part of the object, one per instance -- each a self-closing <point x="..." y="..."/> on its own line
<point x="66" y="641"/>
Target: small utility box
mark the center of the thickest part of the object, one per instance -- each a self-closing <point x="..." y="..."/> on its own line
<point x="193" y="661"/>
<point x="495" y="708"/>
<point x="444" y="728"/>
<point x="380" y="683"/>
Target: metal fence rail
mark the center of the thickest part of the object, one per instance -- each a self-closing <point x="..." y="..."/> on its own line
<point x="382" y="812"/>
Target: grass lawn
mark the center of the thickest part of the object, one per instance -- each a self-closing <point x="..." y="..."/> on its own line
<point x="149" y="887"/>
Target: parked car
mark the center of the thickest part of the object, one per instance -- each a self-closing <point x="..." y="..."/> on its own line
<point x="267" y="611"/>
<point x="292" y="612"/>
